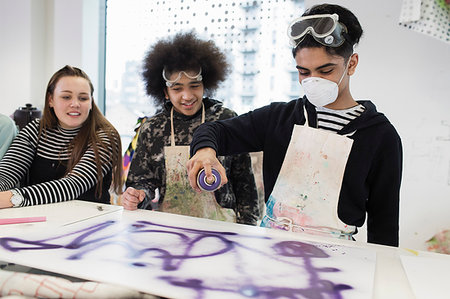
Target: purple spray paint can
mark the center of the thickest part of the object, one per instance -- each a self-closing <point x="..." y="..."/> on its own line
<point x="203" y="183"/>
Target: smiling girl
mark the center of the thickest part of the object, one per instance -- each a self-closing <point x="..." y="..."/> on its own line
<point x="73" y="152"/>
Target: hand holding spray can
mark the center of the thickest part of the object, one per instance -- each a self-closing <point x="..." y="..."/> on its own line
<point x="204" y="184"/>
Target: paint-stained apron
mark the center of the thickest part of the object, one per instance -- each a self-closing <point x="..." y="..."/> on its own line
<point x="306" y="194"/>
<point x="180" y="198"/>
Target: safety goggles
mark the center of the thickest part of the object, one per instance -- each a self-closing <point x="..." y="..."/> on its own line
<point x="324" y="28"/>
<point x="170" y="83"/>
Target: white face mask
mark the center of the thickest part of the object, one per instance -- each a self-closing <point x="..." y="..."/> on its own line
<point x="321" y="92"/>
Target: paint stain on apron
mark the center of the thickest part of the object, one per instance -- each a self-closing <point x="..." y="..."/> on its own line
<point x="306" y="194"/>
<point x="180" y="198"/>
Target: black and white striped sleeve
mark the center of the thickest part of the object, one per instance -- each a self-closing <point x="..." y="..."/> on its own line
<point x="79" y="180"/>
<point x="19" y="157"/>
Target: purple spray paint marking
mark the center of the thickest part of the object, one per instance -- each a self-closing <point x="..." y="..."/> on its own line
<point x="173" y="264"/>
<point x="203" y="183"/>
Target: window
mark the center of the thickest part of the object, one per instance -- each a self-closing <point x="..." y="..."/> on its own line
<point x="245" y="30"/>
<point x="295" y="85"/>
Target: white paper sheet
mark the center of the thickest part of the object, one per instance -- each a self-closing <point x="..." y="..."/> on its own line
<point x="56" y="216"/>
<point x="185" y="257"/>
<point x="429" y="277"/>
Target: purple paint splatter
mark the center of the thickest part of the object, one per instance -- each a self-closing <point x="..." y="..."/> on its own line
<point x="189" y="242"/>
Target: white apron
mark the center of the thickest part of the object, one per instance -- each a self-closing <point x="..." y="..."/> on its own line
<point x="306" y="194"/>
<point x="180" y="198"/>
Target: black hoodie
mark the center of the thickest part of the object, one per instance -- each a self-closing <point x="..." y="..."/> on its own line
<point x="373" y="172"/>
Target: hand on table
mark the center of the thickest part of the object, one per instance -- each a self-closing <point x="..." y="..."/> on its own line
<point x="5" y="199"/>
<point x="132" y="197"/>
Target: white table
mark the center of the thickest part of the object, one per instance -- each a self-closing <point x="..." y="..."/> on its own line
<point x="390" y="278"/>
<point x="58" y="214"/>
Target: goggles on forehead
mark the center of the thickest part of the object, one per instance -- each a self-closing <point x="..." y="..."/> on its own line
<point x="170" y="83"/>
<point x="324" y="28"/>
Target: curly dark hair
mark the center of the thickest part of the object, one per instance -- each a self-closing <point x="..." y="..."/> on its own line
<point x="346" y="17"/>
<point x="183" y="52"/>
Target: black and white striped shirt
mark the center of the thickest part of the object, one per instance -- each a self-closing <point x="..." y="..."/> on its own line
<point x="335" y="120"/>
<point x="51" y="146"/>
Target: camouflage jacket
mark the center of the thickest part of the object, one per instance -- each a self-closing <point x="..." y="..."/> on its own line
<point x="147" y="169"/>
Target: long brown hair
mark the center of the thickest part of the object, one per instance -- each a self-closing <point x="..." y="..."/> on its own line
<point x="89" y="132"/>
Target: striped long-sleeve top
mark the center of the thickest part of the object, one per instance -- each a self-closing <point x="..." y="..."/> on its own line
<point x="37" y="164"/>
<point x="336" y="120"/>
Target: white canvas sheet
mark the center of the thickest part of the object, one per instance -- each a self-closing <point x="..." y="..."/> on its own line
<point x="184" y="257"/>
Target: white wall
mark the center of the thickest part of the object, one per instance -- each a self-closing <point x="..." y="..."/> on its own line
<point x="405" y="73"/>
<point x="37" y="38"/>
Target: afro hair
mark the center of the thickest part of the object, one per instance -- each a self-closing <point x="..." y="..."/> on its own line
<point x="183" y="52"/>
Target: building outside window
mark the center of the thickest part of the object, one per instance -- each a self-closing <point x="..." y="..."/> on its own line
<point x="251" y="33"/>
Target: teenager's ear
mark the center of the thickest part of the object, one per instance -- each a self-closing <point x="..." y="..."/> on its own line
<point x="352" y="64"/>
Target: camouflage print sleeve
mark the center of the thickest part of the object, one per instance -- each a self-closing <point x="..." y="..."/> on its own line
<point x="147" y="165"/>
<point x="244" y="188"/>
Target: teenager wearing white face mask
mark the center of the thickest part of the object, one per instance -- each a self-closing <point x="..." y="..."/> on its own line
<point x="321" y="92"/>
<point x="367" y="176"/>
